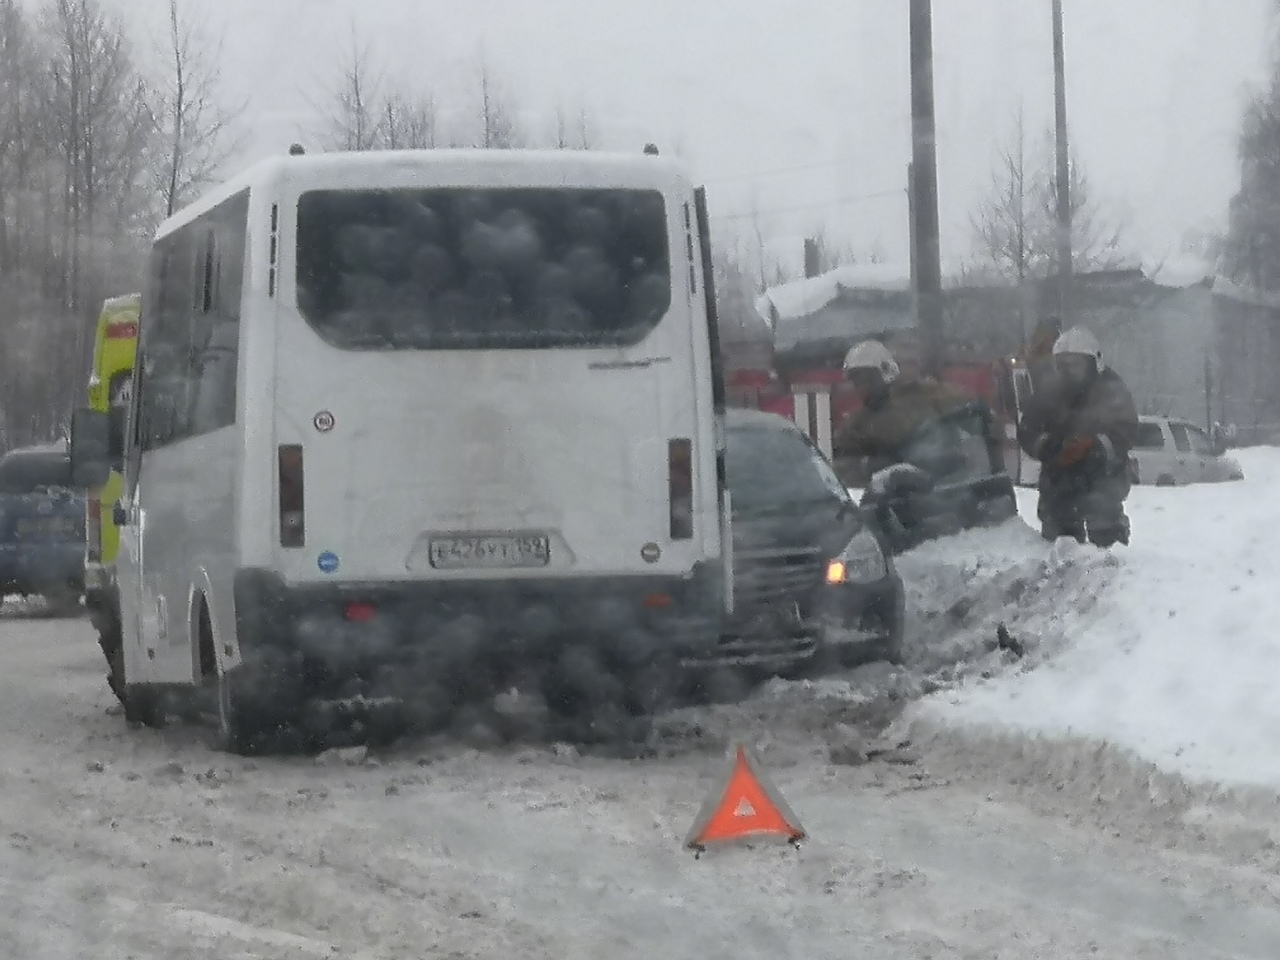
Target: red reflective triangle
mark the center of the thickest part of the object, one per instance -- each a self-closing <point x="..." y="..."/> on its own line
<point x="746" y="806"/>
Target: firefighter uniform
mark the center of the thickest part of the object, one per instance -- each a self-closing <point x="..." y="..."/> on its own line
<point x="893" y="410"/>
<point x="1081" y="425"/>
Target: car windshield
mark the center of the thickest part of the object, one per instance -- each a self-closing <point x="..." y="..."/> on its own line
<point x="771" y="467"/>
<point x="952" y="448"/>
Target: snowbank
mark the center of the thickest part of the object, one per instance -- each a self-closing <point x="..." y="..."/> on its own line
<point x="1167" y="648"/>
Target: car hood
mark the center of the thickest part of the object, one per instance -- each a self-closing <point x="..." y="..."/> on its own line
<point x="825" y="527"/>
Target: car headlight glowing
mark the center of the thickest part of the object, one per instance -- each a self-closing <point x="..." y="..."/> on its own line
<point x="862" y="561"/>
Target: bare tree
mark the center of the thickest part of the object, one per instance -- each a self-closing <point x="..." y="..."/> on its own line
<point x="1097" y="238"/>
<point x="757" y="233"/>
<point x="575" y="133"/>
<point x="20" y="130"/>
<point x="498" y="127"/>
<point x="408" y="123"/>
<point x="562" y="129"/>
<point x="1251" y="249"/>
<point x="736" y="294"/>
<point x="102" y="127"/>
<point x="77" y="134"/>
<point x="586" y="139"/>
<point x="194" y="125"/>
<point x="1014" y="225"/>
<point x="1003" y="222"/>
<point x="369" y="111"/>
<point x="28" y="199"/>
<point x="353" y="118"/>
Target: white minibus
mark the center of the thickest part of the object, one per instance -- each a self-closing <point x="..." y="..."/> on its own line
<point x="417" y="427"/>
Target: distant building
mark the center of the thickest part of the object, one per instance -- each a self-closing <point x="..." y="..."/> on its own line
<point x="1159" y="326"/>
<point x="1247" y="383"/>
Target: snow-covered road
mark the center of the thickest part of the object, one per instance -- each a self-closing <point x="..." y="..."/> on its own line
<point x="118" y="843"/>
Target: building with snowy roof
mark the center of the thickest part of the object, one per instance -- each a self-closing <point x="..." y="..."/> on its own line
<point x="1156" y="323"/>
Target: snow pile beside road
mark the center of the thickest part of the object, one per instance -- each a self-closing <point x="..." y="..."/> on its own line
<point x="1166" y="650"/>
<point x="962" y="589"/>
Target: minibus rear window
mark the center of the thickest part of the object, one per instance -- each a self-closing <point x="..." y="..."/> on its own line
<point x="493" y="268"/>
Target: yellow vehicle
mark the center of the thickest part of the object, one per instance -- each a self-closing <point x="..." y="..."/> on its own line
<point x="110" y="385"/>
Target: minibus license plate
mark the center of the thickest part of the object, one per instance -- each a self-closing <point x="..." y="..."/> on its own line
<point x="460" y="552"/>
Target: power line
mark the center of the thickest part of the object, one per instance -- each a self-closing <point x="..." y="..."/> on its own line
<point x="833" y="202"/>
<point x="760" y="174"/>
<point x="815" y="165"/>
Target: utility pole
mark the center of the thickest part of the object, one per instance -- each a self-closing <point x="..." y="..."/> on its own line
<point x="1208" y="392"/>
<point x="924" y="188"/>
<point x="911" y="235"/>
<point x="1064" y="167"/>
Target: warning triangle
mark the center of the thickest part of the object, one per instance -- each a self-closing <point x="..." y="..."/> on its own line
<point x="746" y="806"/>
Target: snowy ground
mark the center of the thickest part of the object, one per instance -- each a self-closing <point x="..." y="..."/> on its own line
<point x="149" y="845"/>
<point x="975" y="841"/>
<point x="1167" y="649"/>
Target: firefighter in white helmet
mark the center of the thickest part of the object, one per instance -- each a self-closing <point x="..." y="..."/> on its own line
<point x="893" y="409"/>
<point x="1081" y="429"/>
<point x="1039" y="355"/>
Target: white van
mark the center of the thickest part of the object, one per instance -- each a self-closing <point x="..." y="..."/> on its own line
<point x="410" y="425"/>
<point x="1172" y="452"/>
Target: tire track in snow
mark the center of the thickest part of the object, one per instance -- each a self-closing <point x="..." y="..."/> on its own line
<point x="548" y="855"/>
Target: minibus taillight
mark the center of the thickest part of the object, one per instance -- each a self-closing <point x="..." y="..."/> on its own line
<point x="361" y="612"/>
<point x="293" y="532"/>
<point x="680" y="487"/>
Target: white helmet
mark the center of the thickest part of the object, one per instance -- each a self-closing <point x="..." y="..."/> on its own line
<point x="1079" y="340"/>
<point x="872" y="355"/>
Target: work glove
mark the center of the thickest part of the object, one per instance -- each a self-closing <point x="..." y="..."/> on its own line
<point x="1074" y="451"/>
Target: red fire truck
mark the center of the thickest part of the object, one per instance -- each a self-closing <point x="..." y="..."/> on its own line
<point x="815" y="394"/>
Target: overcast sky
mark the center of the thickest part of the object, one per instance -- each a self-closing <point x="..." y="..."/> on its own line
<point x="801" y="109"/>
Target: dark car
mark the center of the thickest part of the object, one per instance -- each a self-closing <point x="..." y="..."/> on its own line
<point x="812" y="582"/>
<point x="42" y="538"/>
<point x="951" y="478"/>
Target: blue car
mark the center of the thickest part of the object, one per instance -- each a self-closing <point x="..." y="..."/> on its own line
<point x="42" y="536"/>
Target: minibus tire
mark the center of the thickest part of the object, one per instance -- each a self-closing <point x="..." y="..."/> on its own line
<point x="144" y="705"/>
<point x="250" y="724"/>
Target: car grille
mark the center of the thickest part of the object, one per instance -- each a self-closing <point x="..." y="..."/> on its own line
<point x="763" y="578"/>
